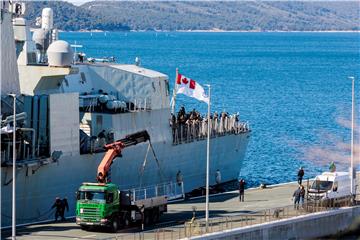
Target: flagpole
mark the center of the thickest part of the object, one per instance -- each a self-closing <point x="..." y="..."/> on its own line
<point x="174" y="93"/>
<point x="207" y="165"/>
<point x="352" y="136"/>
<point x="13" y="224"/>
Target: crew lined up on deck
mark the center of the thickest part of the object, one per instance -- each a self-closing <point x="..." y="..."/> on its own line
<point x="190" y="126"/>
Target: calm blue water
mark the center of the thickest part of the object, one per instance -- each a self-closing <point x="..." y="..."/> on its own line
<point x="291" y="87"/>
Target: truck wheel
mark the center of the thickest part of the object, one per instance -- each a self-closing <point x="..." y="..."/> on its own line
<point x="114" y="225"/>
<point x="126" y="221"/>
<point x="155" y="215"/>
<point x="146" y="218"/>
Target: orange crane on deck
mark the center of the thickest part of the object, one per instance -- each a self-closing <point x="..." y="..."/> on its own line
<point x="114" y="150"/>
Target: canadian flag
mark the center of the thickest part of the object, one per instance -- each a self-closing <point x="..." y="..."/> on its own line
<point x="190" y="88"/>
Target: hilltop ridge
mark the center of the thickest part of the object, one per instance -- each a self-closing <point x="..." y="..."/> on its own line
<point x="187" y="15"/>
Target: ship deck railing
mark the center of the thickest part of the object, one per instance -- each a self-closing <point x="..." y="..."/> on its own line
<point x="198" y="130"/>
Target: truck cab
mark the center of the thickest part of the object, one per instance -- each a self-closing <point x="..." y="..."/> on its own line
<point x="98" y="205"/>
<point x="330" y="185"/>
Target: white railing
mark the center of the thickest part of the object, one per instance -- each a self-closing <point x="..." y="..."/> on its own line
<point x="171" y="190"/>
<point x="141" y="104"/>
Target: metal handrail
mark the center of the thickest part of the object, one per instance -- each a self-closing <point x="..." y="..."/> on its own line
<point x="273" y="214"/>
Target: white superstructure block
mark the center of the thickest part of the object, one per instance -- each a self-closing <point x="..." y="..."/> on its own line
<point x="64" y="123"/>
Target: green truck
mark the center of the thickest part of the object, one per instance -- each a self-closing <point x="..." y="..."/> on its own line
<point x="103" y="204"/>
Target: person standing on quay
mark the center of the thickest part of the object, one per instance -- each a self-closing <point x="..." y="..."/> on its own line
<point x="296" y="197"/>
<point x="65" y="205"/>
<point x="59" y="208"/>
<point x="241" y="190"/>
<point x="302" y="195"/>
<point x="300" y="175"/>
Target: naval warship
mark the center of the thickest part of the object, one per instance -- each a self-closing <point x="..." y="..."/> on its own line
<point x="67" y="108"/>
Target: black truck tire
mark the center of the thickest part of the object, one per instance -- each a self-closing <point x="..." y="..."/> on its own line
<point x="114" y="224"/>
<point x="125" y="220"/>
<point x="155" y="215"/>
<point x="147" y="219"/>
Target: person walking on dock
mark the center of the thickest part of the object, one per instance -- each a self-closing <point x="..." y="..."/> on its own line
<point x="296" y="197"/>
<point x="59" y="208"/>
<point x="241" y="189"/>
<point x="65" y="205"/>
<point x="302" y="195"/>
<point x="300" y="175"/>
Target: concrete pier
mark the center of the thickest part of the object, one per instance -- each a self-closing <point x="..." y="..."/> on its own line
<point x="303" y="227"/>
<point x="229" y="218"/>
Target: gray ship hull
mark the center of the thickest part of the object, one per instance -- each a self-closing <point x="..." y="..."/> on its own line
<point x="37" y="190"/>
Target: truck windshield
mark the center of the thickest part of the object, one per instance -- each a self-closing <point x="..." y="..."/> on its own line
<point x="87" y="195"/>
<point x="321" y="185"/>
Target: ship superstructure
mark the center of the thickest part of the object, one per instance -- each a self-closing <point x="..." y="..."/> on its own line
<point x="69" y="108"/>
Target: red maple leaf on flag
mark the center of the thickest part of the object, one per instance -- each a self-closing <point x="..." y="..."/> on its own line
<point x="185" y="80"/>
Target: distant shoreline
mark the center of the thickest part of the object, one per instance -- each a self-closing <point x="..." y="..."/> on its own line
<point x="335" y="31"/>
<point x="221" y="31"/>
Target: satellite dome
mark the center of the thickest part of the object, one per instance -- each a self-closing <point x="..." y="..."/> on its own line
<point x="59" y="54"/>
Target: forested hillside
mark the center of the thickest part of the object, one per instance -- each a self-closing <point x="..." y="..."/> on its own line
<point x="237" y="15"/>
<point x="68" y="17"/>
<point x="207" y="15"/>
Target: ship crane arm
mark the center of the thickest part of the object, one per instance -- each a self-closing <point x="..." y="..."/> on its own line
<point x="114" y="150"/>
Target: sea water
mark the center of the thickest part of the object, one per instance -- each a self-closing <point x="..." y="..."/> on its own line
<point x="292" y="88"/>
